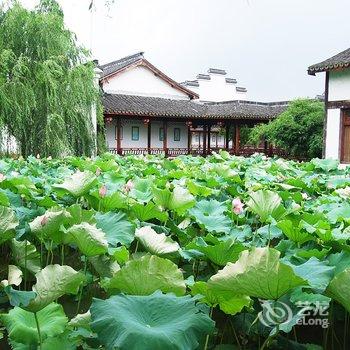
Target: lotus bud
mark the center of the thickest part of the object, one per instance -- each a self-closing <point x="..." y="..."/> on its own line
<point x="103" y="191"/>
<point x="98" y="172"/>
<point x="2" y="177"/>
<point x="38" y="156"/>
<point x="129" y="186"/>
<point x="237" y="206"/>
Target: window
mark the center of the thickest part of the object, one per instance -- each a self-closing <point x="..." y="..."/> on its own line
<point x="161" y="134"/>
<point x="213" y="138"/>
<point x="197" y="137"/>
<point x="116" y="132"/>
<point x="176" y="134"/>
<point x="135" y="133"/>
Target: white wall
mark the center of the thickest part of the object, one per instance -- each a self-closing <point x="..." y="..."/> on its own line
<point x="142" y="81"/>
<point x="127" y="142"/>
<point x="333" y="135"/>
<point x="339" y="85"/>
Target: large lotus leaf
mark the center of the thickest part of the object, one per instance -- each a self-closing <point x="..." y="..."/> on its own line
<point x="339" y="288"/>
<point x="14" y="276"/>
<point x="79" y="215"/>
<point x="22" y="328"/>
<point x="181" y="200"/>
<point x="339" y="213"/>
<point x="294" y="232"/>
<point x="19" y="297"/>
<point x="148" y="212"/>
<point x="220" y="253"/>
<point x="325" y="164"/>
<point x="112" y="201"/>
<point x="117" y="228"/>
<point x="317" y="273"/>
<point x="8" y="223"/>
<point x="90" y="240"/>
<point x="210" y="214"/>
<point x="48" y="226"/>
<point x="26" y="255"/>
<point x="228" y="304"/>
<point x="104" y="266"/>
<point x="156" y="243"/>
<point x="198" y="190"/>
<point x="155" y="273"/>
<point x="142" y="190"/>
<point x="78" y="184"/>
<point x="52" y="282"/>
<point x="258" y="273"/>
<point x="154" y="322"/>
<point x="264" y="203"/>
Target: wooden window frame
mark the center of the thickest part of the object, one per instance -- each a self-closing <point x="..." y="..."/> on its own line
<point x="116" y="132"/>
<point x="132" y="133"/>
<point x="179" y="134"/>
<point x="344" y="112"/>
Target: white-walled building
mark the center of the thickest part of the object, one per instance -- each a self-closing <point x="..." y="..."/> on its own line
<point x="148" y="112"/>
<point x="337" y="104"/>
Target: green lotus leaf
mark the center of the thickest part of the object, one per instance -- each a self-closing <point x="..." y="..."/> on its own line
<point x="264" y="203"/>
<point x="52" y="282"/>
<point x="156" y="274"/>
<point x="22" y="328"/>
<point x="8" y="223"/>
<point x="156" y="243"/>
<point x="48" y="226"/>
<point x="81" y="320"/>
<point x="104" y="266"/>
<point x="317" y="273"/>
<point x="228" y="304"/>
<point x="294" y="232"/>
<point x="77" y="184"/>
<point x="325" y="164"/>
<point x="148" y="212"/>
<point x="117" y="228"/>
<point x="112" y="201"/>
<point x="198" y="190"/>
<point x="153" y="322"/>
<point x="210" y="214"/>
<point x="258" y="273"/>
<point x="89" y="239"/>
<point x="181" y="200"/>
<point x="19" y="297"/>
<point x="339" y="288"/>
<point x="221" y="253"/>
<point x="26" y="255"/>
<point x="142" y="190"/>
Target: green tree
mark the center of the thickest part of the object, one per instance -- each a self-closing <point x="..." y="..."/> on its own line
<point x="46" y="83"/>
<point x="298" y="130"/>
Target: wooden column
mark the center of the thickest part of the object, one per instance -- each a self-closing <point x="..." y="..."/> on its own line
<point x="209" y="128"/>
<point x="149" y="136"/>
<point x="227" y="136"/>
<point x="119" y="149"/>
<point x="204" y="140"/>
<point x="165" y="137"/>
<point x="189" y="137"/>
<point x="237" y="137"/>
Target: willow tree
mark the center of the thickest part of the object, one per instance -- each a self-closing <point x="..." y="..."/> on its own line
<point x="47" y="87"/>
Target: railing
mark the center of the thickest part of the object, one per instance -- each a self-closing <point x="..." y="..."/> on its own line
<point x="174" y="152"/>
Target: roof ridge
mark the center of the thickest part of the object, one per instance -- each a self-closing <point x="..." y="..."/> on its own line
<point x="123" y="59"/>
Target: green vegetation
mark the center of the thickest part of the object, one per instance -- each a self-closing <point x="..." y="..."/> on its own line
<point x="299" y="129"/>
<point x="46" y="87"/>
<point x="138" y="253"/>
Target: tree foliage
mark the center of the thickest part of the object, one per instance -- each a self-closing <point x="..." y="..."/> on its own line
<point x="46" y="87"/>
<point x="298" y="130"/>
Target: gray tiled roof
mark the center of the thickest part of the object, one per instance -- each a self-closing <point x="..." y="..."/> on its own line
<point x="217" y="71"/>
<point x="112" y="67"/>
<point x="163" y="107"/>
<point x="231" y="81"/>
<point x="341" y="60"/>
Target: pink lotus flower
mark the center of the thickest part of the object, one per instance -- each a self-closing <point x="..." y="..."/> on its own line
<point x="237" y="206"/>
<point x="103" y="191"/>
<point x="2" y="177"/>
<point x="129" y="186"/>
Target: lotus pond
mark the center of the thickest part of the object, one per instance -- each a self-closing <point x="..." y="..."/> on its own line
<point x="137" y="253"/>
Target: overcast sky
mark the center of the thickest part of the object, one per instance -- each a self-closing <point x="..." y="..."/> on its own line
<point x="266" y="45"/>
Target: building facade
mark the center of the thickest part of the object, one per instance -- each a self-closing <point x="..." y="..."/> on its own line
<point x="148" y="112"/>
<point x="337" y="105"/>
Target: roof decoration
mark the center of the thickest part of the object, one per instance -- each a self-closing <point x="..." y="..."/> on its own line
<point x="341" y="60"/>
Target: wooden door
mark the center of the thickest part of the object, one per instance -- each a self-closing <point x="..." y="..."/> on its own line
<point x="345" y="141"/>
